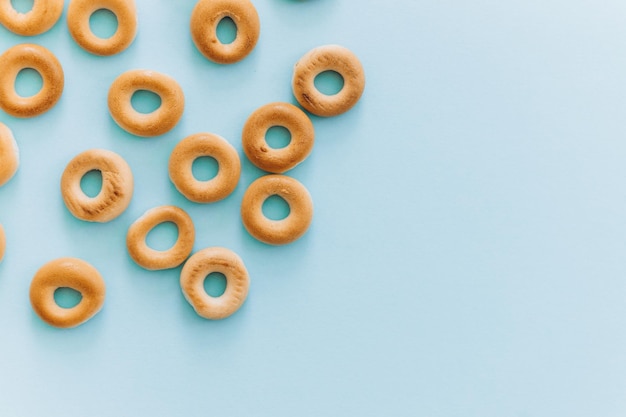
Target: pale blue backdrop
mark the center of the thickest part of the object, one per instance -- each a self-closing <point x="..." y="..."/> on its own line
<point x="466" y="257"/>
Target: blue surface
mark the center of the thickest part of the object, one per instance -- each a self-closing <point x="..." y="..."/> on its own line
<point x="466" y="256"/>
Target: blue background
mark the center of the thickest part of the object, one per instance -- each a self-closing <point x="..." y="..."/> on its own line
<point x="466" y="257"/>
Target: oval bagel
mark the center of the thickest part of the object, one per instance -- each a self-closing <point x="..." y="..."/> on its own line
<point x="23" y="56"/>
<point x="284" y="115"/>
<point x="328" y="58"/>
<point x="9" y="155"/>
<point x="198" y="145"/>
<point x="43" y="15"/>
<point x="67" y="273"/>
<point x="153" y="259"/>
<point x="205" y="17"/>
<point x="195" y="271"/>
<point x="115" y="194"/>
<point x="277" y="232"/>
<point x="160" y="121"/>
<point x="79" y="13"/>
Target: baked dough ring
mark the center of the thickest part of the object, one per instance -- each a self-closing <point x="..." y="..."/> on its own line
<point x="158" y="122"/>
<point x="152" y="259"/>
<point x="205" y="17"/>
<point x="9" y="155"/>
<point x="278" y="114"/>
<point x="28" y="55"/>
<point x="39" y="19"/>
<point x="116" y="191"/>
<point x="277" y="232"/>
<point x="198" y="145"/>
<point x="67" y="273"/>
<point x="328" y="58"/>
<point x="3" y="242"/>
<point x="78" y="14"/>
<point x="195" y="271"/>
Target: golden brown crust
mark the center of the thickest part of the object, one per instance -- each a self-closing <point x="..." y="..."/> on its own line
<point x="39" y="19"/>
<point x="277" y="232"/>
<point x="67" y="273"/>
<point x="78" y="14"/>
<point x="328" y="58"/>
<point x="277" y="114"/>
<point x="206" y="16"/>
<point x="152" y="259"/>
<point x="22" y="56"/>
<point x="198" y="145"/>
<point x="201" y="264"/>
<point x="160" y="121"/>
<point x="3" y="242"/>
<point x="9" y="155"/>
<point x="117" y="186"/>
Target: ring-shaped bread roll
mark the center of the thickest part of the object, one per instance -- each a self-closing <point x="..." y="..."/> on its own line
<point x="152" y="259"/>
<point x="160" y="121"/>
<point x="67" y="273"/>
<point x="116" y="191"/>
<point x="328" y="58"/>
<point x="194" y="147"/>
<point x="43" y="15"/>
<point x="27" y="55"/>
<point x="78" y="14"/>
<point x="195" y="271"/>
<point x="205" y="17"/>
<point x="277" y="232"/>
<point x="3" y="242"/>
<point x="9" y="155"/>
<point x="278" y="114"/>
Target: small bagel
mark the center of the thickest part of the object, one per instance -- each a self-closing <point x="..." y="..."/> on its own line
<point x="152" y="259"/>
<point x="39" y="19"/>
<point x="27" y="55"/>
<point x="198" y="145"/>
<point x="116" y="191"/>
<point x="328" y="58"/>
<point x="160" y="121"/>
<point x="278" y="114"/>
<point x="3" y="242"/>
<point x="277" y="232"/>
<point x="78" y="14"/>
<point x="195" y="271"/>
<point x="9" y="155"/>
<point x="67" y="273"/>
<point x="205" y="17"/>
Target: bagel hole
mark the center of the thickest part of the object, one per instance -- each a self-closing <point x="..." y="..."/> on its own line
<point x="91" y="183"/>
<point x="215" y="284"/>
<point x="28" y="82"/>
<point x="204" y="168"/>
<point x="226" y="30"/>
<point x="329" y="82"/>
<point x="66" y="297"/>
<point x="22" y="6"/>
<point x="276" y="208"/>
<point x="163" y="236"/>
<point x="145" y="101"/>
<point x="278" y="137"/>
<point x="103" y="23"/>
